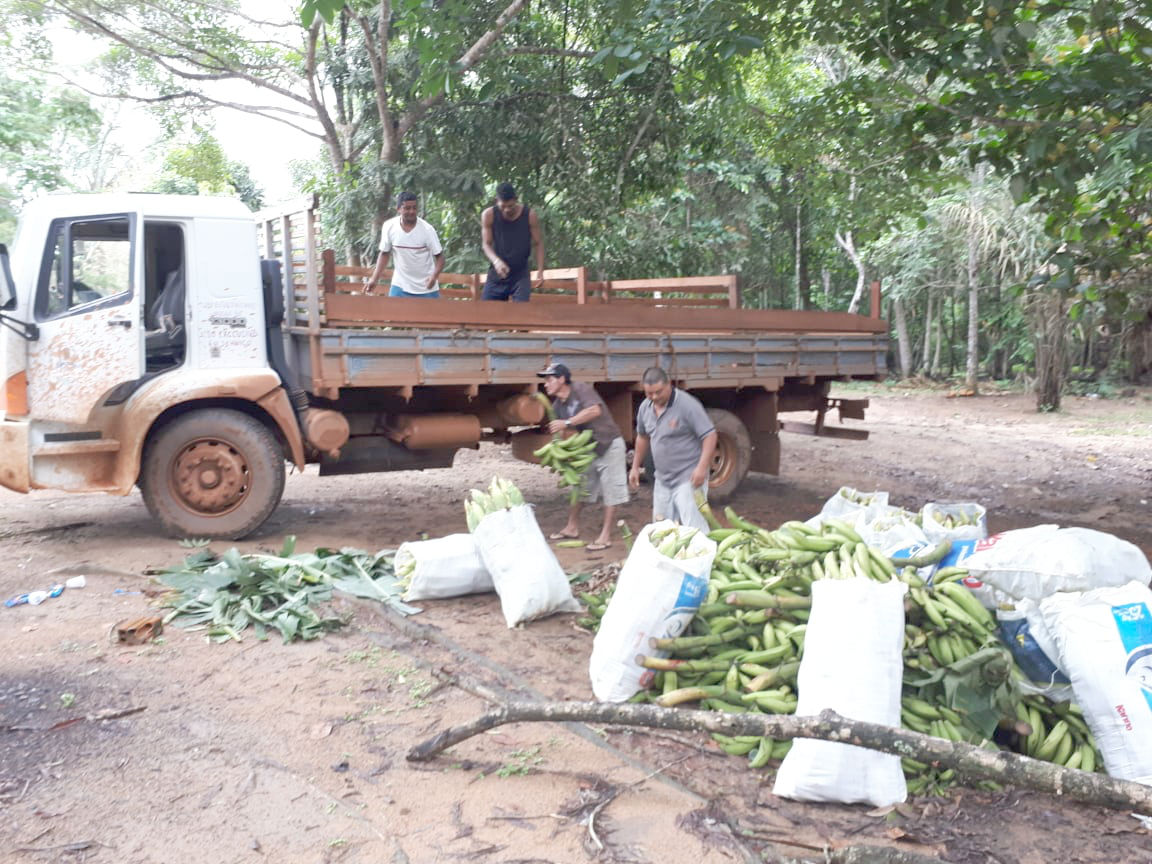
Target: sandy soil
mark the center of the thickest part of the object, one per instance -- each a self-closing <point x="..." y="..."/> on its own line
<point x="263" y="752"/>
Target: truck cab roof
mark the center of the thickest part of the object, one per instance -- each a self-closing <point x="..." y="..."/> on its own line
<point x="149" y="205"/>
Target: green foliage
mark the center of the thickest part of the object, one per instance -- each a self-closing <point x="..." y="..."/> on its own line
<point x="226" y="594"/>
<point x="1052" y="94"/>
<point x="808" y="148"/>
<point x="202" y="168"/>
<point x="42" y="131"/>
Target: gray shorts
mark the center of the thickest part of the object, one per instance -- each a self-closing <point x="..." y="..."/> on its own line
<point x="607" y="478"/>
<point x="678" y="503"/>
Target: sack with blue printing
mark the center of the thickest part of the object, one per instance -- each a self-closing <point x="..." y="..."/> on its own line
<point x="957" y="556"/>
<point x="1104" y="638"/>
<point x="656" y="596"/>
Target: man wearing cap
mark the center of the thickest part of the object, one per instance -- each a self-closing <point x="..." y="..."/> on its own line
<point x="415" y="249"/>
<point x="677" y="428"/>
<point x="578" y="406"/>
<point x="508" y="232"/>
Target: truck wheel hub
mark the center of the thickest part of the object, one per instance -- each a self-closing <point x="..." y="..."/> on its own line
<point x="721" y="463"/>
<point x="210" y="477"/>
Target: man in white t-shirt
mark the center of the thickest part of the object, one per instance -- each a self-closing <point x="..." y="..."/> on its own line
<point x="415" y="250"/>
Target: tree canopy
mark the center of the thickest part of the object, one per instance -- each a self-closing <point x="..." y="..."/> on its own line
<point x="988" y="160"/>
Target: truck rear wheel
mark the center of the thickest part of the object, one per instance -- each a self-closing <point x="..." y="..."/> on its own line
<point x="733" y="454"/>
<point x="212" y="473"/>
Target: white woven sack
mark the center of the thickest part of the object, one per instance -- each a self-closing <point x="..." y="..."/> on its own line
<point x="445" y="567"/>
<point x="1033" y="563"/>
<point x="969" y="510"/>
<point x="852" y="664"/>
<point x="1105" y="642"/>
<point x="891" y="530"/>
<point x="848" y="504"/>
<point x="655" y="597"/>
<point x="530" y="581"/>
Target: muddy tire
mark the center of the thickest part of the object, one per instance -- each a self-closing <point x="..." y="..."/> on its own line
<point x="732" y="457"/>
<point x="212" y="473"/>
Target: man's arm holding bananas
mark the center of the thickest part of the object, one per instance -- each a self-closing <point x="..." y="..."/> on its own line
<point x="584" y="415"/>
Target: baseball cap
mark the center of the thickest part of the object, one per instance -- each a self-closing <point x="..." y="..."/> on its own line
<point x="557" y="370"/>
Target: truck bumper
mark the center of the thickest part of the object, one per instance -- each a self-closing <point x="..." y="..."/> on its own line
<point x="15" y="459"/>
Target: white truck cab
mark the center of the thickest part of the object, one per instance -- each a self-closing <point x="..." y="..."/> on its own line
<point x="104" y="298"/>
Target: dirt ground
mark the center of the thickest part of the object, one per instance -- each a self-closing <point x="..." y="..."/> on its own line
<point x="259" y="751"/>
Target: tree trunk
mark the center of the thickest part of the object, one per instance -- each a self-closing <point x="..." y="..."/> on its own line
<point x="969" y="761"/>
<point x="972" y="369"/>
<point x="926" y="359"/>
<point x="939" y="339"/>
<point x="902" y="338"/>
<point x="849" y="246"/>
<point x="952" y="335"/>
<point x="1050" y="329"/>
<point x="1136" y="337"/>
<point x="803" y="280"/>
<point x="846" y="243"/>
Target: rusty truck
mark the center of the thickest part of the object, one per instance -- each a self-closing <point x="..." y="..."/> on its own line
<point x="179" y="345"/>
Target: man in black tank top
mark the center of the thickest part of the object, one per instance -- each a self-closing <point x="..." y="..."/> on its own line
<point x="508" y="231"/>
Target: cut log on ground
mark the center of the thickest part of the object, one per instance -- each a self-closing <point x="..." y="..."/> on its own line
<point x="970" y="762"/>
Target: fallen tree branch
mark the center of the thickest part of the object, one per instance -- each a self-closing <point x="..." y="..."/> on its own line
<point x="969" y="761"/>
<point x="91" y="718"/>
<point x="864" y="855"/>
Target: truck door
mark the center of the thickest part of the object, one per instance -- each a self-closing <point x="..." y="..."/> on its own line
<point x="88" y="305"/>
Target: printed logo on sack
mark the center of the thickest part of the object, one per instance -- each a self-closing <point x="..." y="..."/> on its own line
<point x="692" y="592"/>
<point x="988" y="542"/>
<point x="1134" y="624"/>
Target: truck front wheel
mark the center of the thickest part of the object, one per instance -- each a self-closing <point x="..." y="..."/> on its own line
<point x="733" y="454"/>
<point x="212" y="473"/>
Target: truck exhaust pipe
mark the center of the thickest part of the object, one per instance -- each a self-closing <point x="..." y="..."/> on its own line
<point x="435" y="431"/>
<point x="519" y="410"/>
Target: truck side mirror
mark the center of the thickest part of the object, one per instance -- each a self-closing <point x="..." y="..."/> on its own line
<point x="7" y="288"/>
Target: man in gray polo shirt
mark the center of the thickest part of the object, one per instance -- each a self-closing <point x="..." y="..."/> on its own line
<point x="677" y="428"/>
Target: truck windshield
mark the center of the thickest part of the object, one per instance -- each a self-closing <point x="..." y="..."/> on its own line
<point x="91" y="261"/>
<point x="7" y="289"/>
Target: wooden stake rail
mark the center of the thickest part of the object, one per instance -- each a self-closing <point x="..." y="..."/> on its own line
<point x="357" y="310"/>
<point x="565" y="285"/>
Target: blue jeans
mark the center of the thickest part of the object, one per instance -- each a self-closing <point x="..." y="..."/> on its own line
<point x="397" y="291"/>
<point x="517" y="288"/>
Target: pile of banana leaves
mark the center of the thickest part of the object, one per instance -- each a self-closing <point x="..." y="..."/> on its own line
<point x="226" y="594"/>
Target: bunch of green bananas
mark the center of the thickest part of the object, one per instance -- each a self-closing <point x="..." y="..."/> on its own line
<point x="569" y="458"/>
<point x="861" y="498"/>
<point x="501" y="495"/>
<point x="596" y="604"/>
<point x="673" y="542"/>
<point x="954" y="520"/>
<point x="1058" y="733"/>
<point x="405" y="565"/>
<point x="741" y="652"/>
